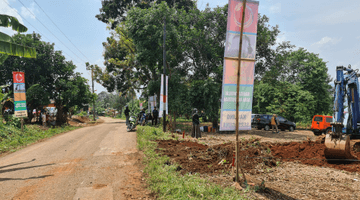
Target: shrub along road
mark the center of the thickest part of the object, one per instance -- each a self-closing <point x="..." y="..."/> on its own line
<point x="98" y="162"/>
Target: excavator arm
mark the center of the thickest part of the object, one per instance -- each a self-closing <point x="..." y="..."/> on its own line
<point x="338" y="143"/>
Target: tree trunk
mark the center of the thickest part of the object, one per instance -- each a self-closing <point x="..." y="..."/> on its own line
<point x="61" y="116"/>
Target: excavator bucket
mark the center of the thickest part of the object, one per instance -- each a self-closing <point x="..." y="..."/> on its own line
<point x="337" y="148"/>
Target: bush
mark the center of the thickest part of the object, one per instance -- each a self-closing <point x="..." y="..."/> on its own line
<point x="13" y="121"/>
<point x="82" y="114"/>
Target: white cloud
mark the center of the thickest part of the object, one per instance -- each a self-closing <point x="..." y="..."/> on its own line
<point x="327" y="40"/>
<point x="333" y="14"/>
<point x="275" y="8"/>
<point x="7" y="10"/>
<point x="358" y="37"/>
<point x="25" y="11"/>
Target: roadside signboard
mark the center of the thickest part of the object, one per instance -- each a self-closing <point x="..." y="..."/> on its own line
<point x="231" y="62"/>
<point x="19" y="94"/>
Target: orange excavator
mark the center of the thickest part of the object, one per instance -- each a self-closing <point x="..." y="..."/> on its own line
<point x="337" y="141"/>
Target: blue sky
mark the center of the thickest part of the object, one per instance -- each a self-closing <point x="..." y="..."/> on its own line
<point x="325" y="27"/>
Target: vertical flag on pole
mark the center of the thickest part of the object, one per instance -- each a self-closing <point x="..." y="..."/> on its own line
<point x="228" y="99"/>
<point x="162" y="97"/>
<point x="19" y="94"/>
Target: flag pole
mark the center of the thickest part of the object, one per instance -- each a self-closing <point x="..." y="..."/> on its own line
<point x="237" y="97"/>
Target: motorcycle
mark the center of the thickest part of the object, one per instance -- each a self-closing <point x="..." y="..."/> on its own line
<point x="132" y="124"/>
<point x="142" y="120"/>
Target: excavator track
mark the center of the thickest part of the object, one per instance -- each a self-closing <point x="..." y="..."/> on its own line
<point x="337" y="147"/>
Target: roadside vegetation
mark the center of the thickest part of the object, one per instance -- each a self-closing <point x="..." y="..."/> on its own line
<point x="12" y="138"/>
<point x="166" y="181"/>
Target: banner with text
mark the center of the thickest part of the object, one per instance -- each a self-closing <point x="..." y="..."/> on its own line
<point x="230" y="69"/>
<point x="19" y="94"/>
<point x="161" y="109"/>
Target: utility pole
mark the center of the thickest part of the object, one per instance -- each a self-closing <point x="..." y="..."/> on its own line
<point x="237" y="97"/>
<point x="92" y="80"/>
<point x="164" y="83"/>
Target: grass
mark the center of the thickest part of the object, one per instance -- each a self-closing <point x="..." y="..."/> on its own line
<point x="11" y="138"/>
<point x="166" y="182"/>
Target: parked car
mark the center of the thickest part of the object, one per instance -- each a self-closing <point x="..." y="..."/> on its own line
<point x="321" y="124"/>
<point x="263" y="121"/>
<point x="253" y="125"/>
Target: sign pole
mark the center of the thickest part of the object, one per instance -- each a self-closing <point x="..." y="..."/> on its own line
<point x="164" y="83"/>
<point x="237" y="97"/>
<point x="92" y="80"/>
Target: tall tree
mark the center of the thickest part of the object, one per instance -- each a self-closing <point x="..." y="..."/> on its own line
<point x="116" y="10"/>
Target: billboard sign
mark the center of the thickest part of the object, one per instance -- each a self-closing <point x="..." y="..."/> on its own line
<point x="19" y="94"/>
<point x="231" y="62"/>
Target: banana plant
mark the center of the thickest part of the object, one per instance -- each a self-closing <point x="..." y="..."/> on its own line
<point x="7" y="45"/>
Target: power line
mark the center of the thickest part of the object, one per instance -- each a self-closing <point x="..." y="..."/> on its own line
<point x="51" y="32"/>
<point x="33" y="26"/>
<point x="60" y="30"/>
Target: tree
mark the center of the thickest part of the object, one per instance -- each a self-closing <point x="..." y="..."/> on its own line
<point x="53" y="74"/>
<point x="117" y="10"/>
<point x="286" y="99"/>
<point x="71" y="91"/>
<point x="36" y="97"/>
<point x="205" y="96"/>
<point x="7" y="45"/>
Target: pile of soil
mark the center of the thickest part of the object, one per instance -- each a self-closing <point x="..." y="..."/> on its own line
<point x="198" y="158"/>
<point x="312" y="153"/>
<point x="255" y="157"/>
<point x="79" y="119"/>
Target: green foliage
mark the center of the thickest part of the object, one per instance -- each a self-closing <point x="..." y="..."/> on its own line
<point x="169" y="183"/>
<point x="82" y="114"/>
<point x="13" y="121"/>
<point x="7" y="46"/>
<point x="11" y="138"/>
<point x="117" y="9"/>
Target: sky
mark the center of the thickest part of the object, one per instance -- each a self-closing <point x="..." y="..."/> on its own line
<point x="325" y="27"/>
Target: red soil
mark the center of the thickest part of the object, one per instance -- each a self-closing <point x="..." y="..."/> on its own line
<point x="254" y="156"/>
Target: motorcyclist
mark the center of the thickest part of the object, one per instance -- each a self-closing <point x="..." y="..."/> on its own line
<point x="127" y="114"/>
<point x="141" y="115"/>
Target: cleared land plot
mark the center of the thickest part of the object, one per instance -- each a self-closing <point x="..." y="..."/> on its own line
<point x="291" y="164"/>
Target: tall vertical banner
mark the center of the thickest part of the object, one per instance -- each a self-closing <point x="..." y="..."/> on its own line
<point x="152" y="103"/>
<point x="231" y="59"/>
<point x="161" y="109"/>
<point x="19" y="94"/>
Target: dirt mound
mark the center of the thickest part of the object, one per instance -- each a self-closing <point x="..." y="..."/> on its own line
<point x="312" y="153"/>
<point x="255" y="157"/>
<point x="80" y="119"/>
<point x="198" y="158"/>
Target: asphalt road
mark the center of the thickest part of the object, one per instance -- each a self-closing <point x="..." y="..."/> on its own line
<point x="97" y="162"/>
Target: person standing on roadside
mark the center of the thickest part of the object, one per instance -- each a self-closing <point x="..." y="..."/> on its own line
<point x="155" y="116"/>
<point x="195" y="125"/>
<point x="274" y="123"/>
<point x="127" y="114"/>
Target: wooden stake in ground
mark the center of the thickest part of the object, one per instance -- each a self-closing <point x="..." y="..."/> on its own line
<point x="237" y="98"/>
